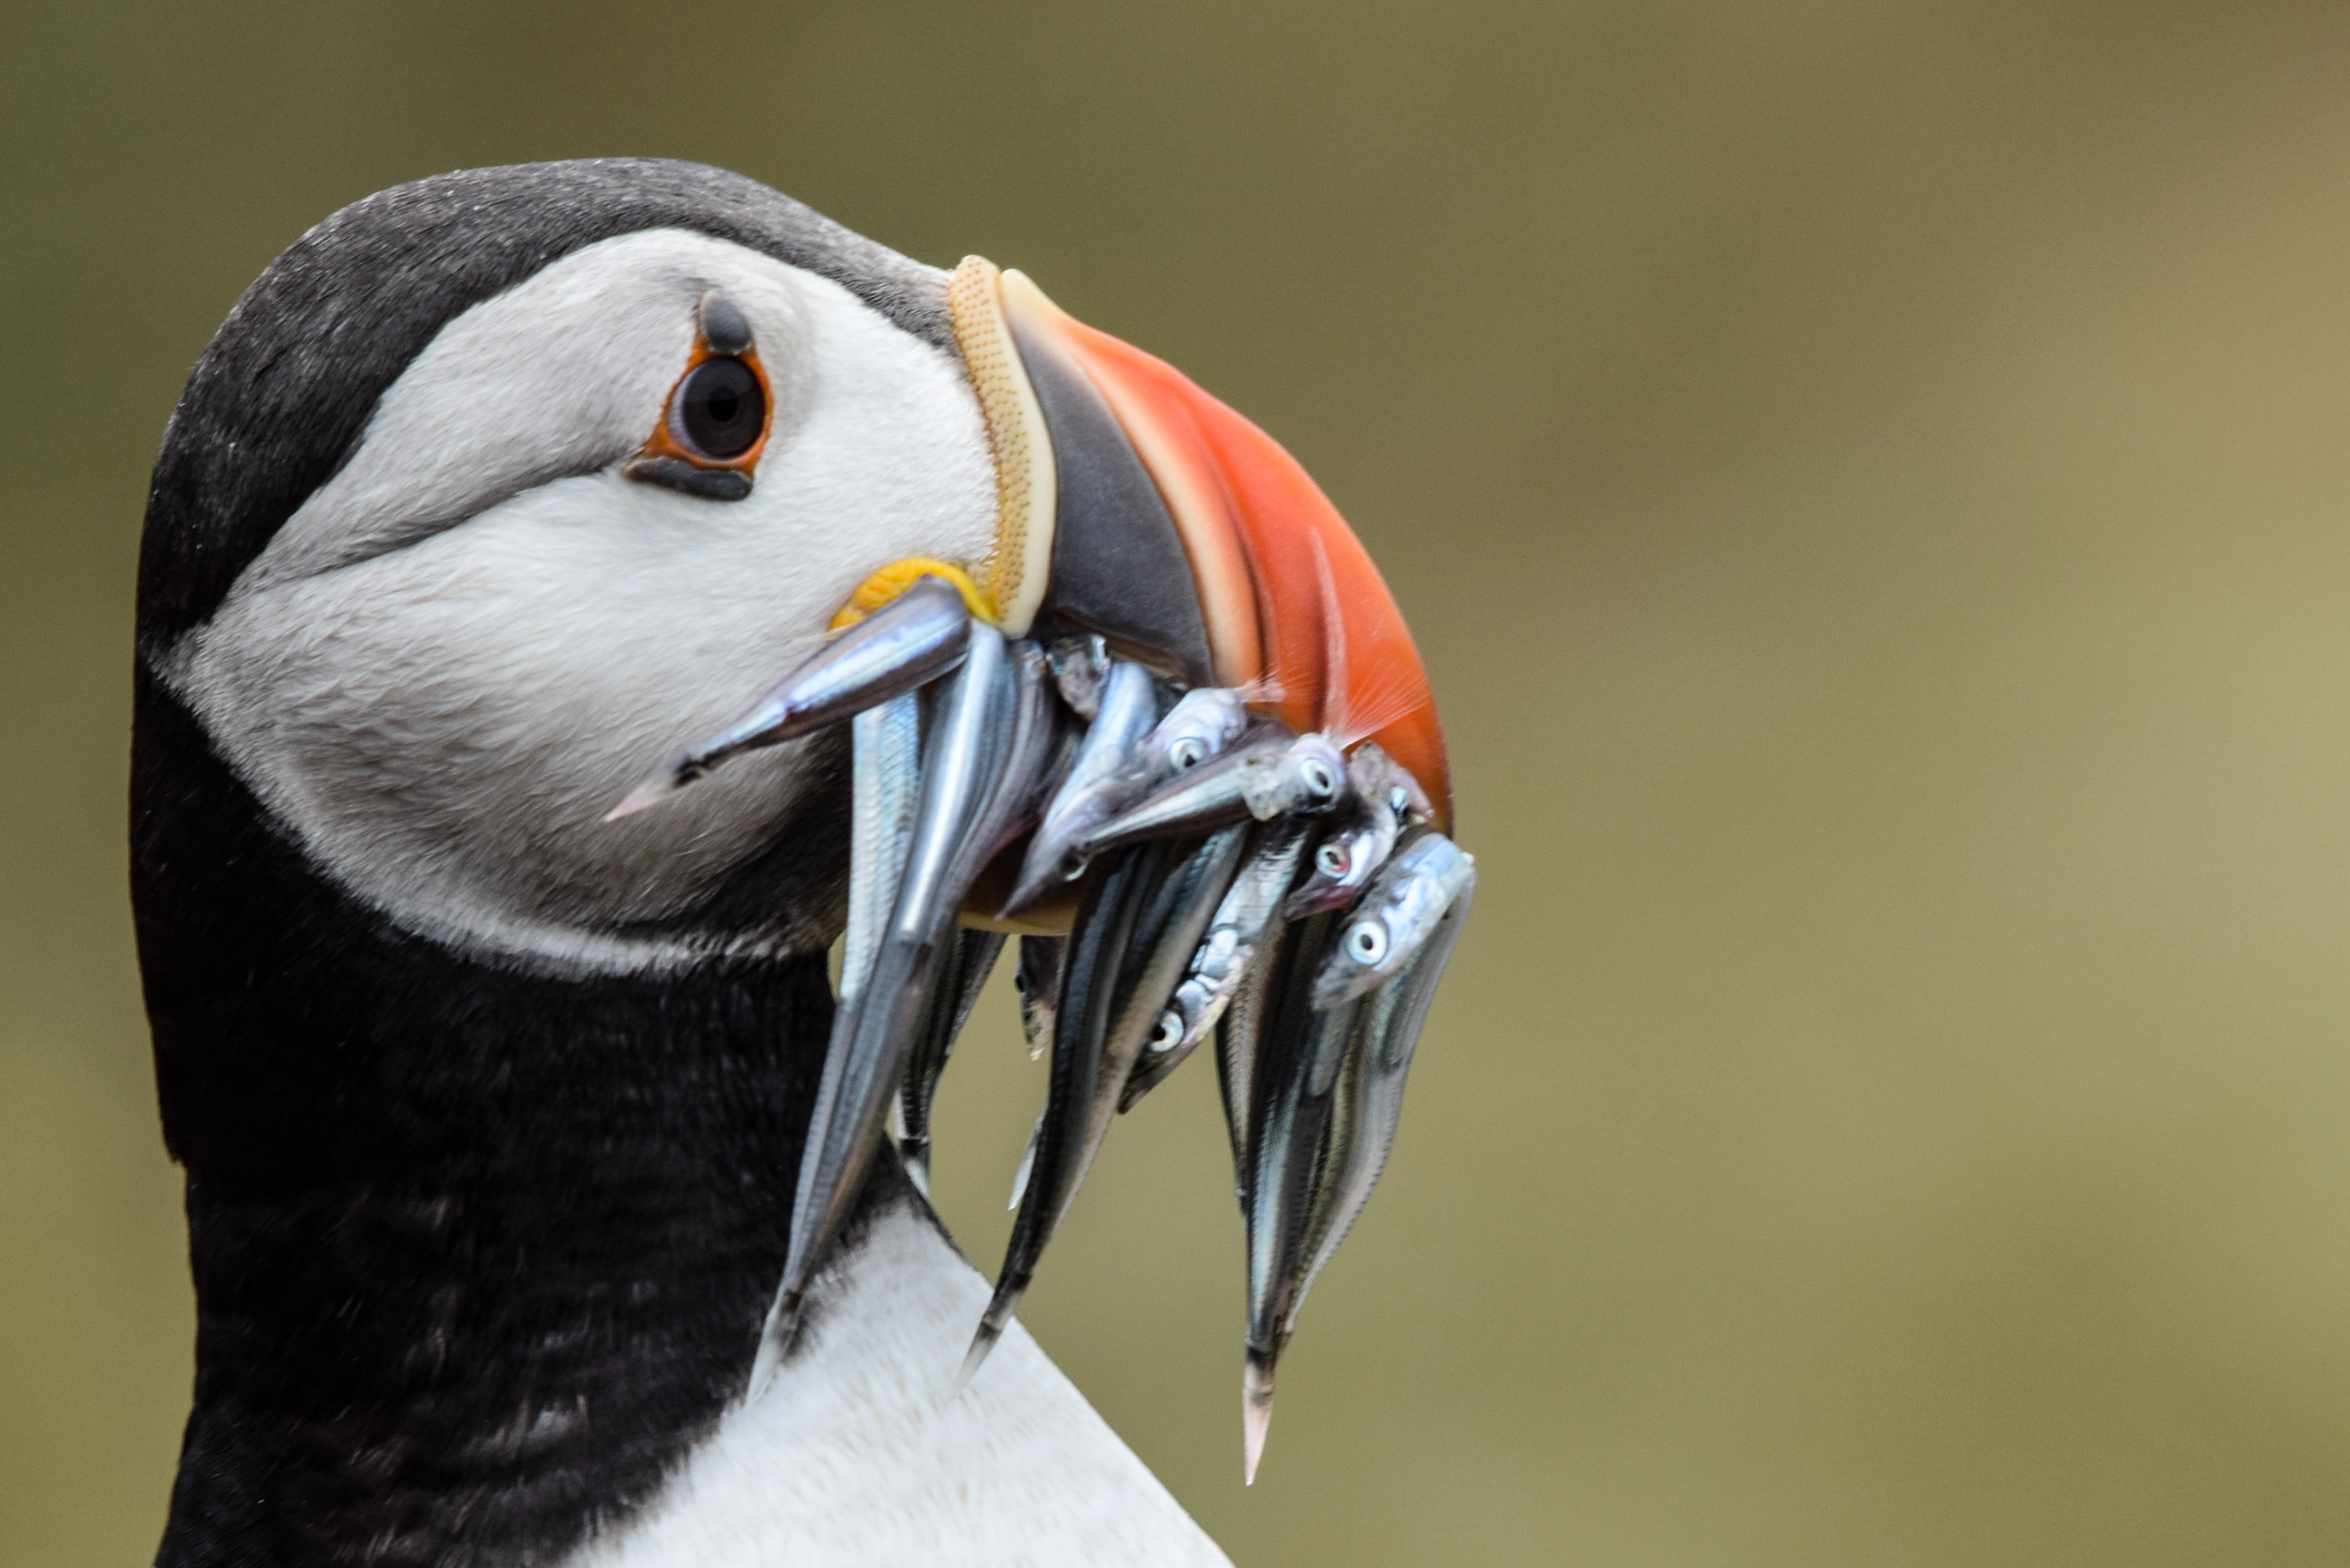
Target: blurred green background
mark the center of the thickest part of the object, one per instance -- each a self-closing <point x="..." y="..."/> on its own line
<point x="1870" y="483"/>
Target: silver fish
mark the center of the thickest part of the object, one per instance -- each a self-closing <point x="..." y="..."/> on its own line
<point x="1270" y="774"/>
<point x="906" y="644"/>
<point x="970" y="959"/>
<point x="1394" y="915"/>
<point x="1081" y="1020"/>
<point x="1100" y="780"/>
<point x="1198" y="728"/>
<point x="1243" y="1037"/>
<point x="1163" y="926"/>
<point x="1370" y="1094"/>
<point x="1296" y="1086"/>
<point x="1037" y="740"/>
<point x="1213" y="794"/>
<point x="886" y="786"/>
<point x="1223" y="955"/>
<point x="1386" y="800"/>
<point x="1309" y="777"/>
<point x="871" y="1040"/>
<point x="1356" y="845"/>
<point x="1202" y="725"/>
<point x="971" y="955"/>
<point x="1330" y="1122"/>
<point x="1167" y="934"/>
<point x="1078" y="665"/>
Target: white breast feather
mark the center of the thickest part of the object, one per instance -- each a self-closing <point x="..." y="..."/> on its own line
<point x="856" y="1456"/>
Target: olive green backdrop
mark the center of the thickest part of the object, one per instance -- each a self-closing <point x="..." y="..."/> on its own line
<point x="1871" y="484"/>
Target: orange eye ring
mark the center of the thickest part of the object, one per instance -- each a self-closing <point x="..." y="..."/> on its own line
<point x="671" y="455"/>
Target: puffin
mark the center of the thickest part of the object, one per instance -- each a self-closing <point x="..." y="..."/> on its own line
<point x="537" y="1212"/>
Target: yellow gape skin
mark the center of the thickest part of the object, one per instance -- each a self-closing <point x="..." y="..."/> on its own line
<point x="898" y="577"/>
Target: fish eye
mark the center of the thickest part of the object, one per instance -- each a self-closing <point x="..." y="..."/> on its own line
<point x="1331" y="859"/>
<point x="719" y="411"/>
<point x="1315" y="774"/>
<point x="1168" y="1031"/>
<point x="1366" y="941"/>
<point x="1186" y="753"/>
<point x="1399" y="800"/>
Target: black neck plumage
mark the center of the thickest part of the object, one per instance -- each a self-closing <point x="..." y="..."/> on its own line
<point x="478" y="1255"/>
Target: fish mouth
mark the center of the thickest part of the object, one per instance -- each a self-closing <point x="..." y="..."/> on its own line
<point x="1021" y="764"/>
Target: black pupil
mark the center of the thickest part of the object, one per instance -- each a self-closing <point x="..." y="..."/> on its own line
<point x="722" y="408"/>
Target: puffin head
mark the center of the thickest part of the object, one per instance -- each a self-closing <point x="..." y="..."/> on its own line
<point x="500" y="1107"/>
<point x="498" y="487"/>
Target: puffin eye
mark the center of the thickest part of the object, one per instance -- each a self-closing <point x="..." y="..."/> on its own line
<point x="719" y="411"/>
<point x="1366" y="941"/>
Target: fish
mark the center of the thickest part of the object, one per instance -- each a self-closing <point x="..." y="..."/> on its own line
<point x="1369" y="1101"/>
<point x="1011" y="806"/>
<point x="885" y="786"/>
<point x="1100" y="780"/>
<point x="1333" y="1100"/>
<point x="1395" y="915"/>
<point x="1243" y="1039"/>
<point x="1168" y="933"/>
<point x="1081" y="1020"/>
<point x="1177" y="894"/>
<point x="1037" y="979"/>
<point x="1386" y="800"/>
<point x="1027" y="1163"/>
<point x="1196" y="730"/>
<point x="1223" y="955"/>
<point x="1202" y="725"/>
<point x="970" y="959"/>
<point x="1308" y="777"/>
<point x="1079" y="663"/>
<point x="1162" y="900"/>
<point x="1294" y="1087"/>
<point x="1032" y="755"/>
<point x="971" y="739"/>
<point x="1269" y="773"/>
<point x="905" y="645"/>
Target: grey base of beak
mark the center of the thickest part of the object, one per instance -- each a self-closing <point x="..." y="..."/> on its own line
<point x="1119" y="567"/>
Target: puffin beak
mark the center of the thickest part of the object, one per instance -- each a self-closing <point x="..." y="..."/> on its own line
<point x="1147" y="536"/>
<point x="1184" y="535"/>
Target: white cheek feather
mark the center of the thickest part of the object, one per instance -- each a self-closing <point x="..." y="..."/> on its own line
<point x="442" y="712"/>
<point x="857" y="1456"/>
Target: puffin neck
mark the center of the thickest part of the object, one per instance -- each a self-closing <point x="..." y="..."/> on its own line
<point x="478" y="1255"/>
